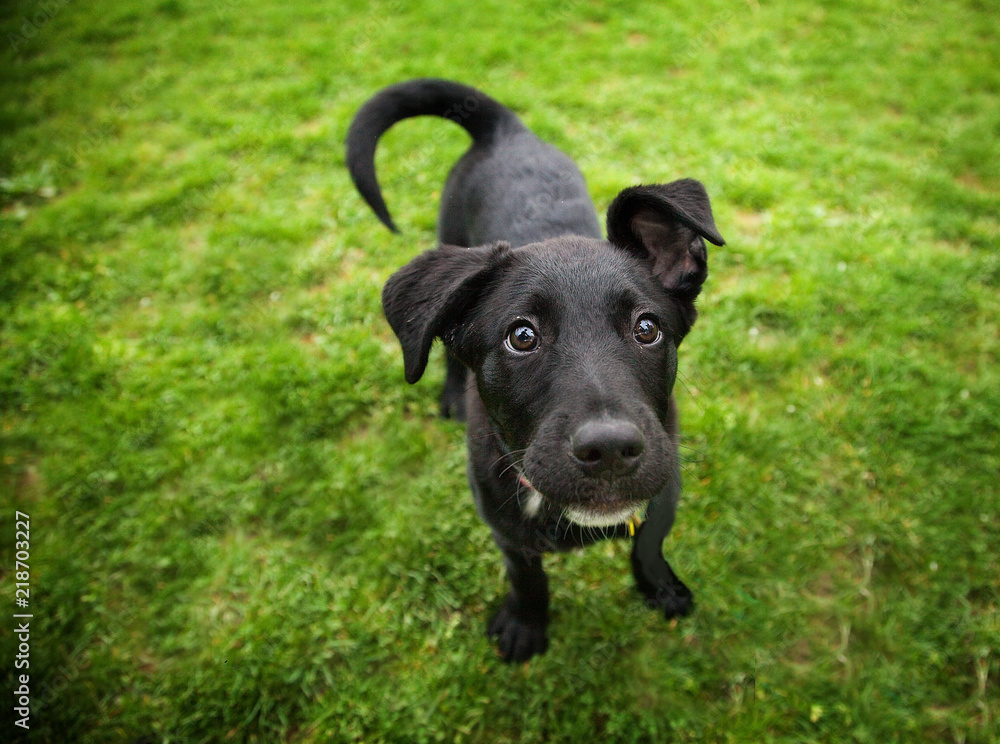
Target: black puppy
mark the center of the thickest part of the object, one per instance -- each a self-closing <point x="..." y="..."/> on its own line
<point x="572" y="339"/>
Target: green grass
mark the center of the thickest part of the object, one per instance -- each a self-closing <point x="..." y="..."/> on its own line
<point x="246" y="527"/>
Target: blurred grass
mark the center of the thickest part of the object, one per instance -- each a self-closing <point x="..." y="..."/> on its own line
<point x="246" y="527"/>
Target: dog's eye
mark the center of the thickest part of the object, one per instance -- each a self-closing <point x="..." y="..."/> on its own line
<point x="646" y="330"/>
<point x="522" y="337"/>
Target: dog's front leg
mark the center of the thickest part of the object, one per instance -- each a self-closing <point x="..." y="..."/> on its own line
<point x="668" y="594"/>
<point x="519" y="626"/>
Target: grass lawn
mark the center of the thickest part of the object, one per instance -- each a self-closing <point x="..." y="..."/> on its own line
<point x="246" y="527"/>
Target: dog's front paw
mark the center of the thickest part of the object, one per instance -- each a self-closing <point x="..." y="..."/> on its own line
<point x="660" y="586"/>
<point x="517" y="640"/>
<point x="673" y="601"/>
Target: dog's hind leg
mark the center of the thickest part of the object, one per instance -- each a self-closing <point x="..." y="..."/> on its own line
<point x="453" y="394"/>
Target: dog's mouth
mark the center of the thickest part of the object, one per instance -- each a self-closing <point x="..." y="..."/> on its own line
<point x="597" y="514"/>
<point x="603" y="515"/>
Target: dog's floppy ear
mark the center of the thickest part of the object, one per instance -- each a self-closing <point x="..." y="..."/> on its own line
<point x="665" y="224"/>
<point x="430" y="296"/>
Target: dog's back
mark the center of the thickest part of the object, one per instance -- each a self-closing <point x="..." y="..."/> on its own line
<point x="509" y="185"/>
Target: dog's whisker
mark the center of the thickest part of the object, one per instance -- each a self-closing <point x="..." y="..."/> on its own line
<point x="559" y="521"/>
<point x="688" y="448"/>
<point x="516" y="495"/>
<point x="516" y="458"/>
<point x="515" y="465"/>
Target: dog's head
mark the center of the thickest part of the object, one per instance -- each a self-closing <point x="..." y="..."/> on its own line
<point x="573" y="343"/>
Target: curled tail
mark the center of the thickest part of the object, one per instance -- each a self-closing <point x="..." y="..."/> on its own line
<point x="477" y="113"/>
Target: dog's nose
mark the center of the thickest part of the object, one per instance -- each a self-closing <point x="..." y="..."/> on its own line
<point x="608" y="446"/>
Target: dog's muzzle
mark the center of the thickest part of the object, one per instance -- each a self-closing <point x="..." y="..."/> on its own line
<point x="531" y="504"/>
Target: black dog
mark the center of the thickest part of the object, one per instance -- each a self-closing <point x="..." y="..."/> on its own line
<point x="572" y="339"/>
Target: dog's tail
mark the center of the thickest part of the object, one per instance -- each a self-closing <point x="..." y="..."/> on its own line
<point x="480" y="115"/>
